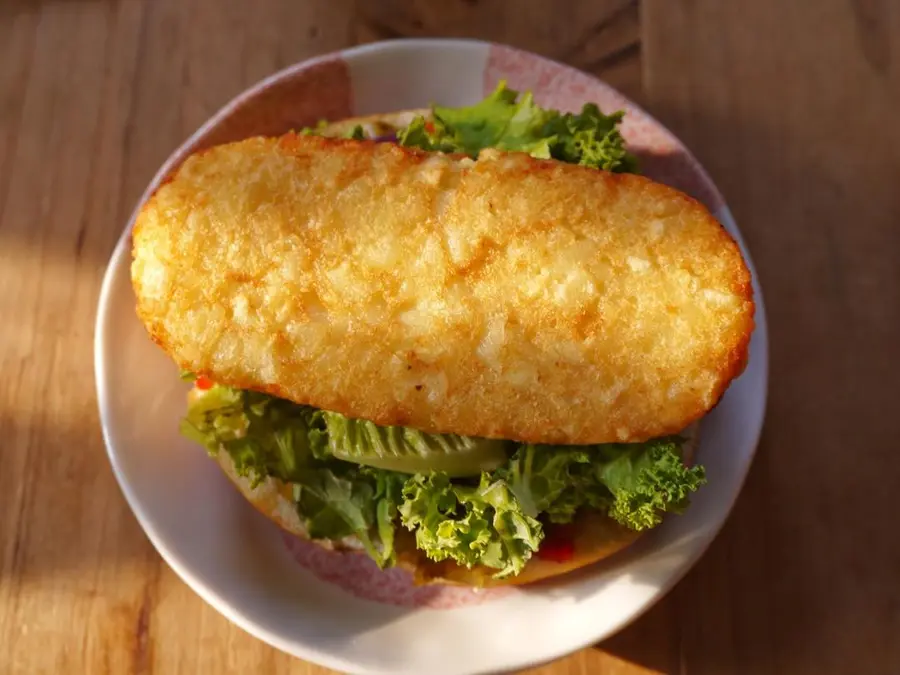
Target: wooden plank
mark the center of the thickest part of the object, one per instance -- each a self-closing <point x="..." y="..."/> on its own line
<point x="792" y="107"/>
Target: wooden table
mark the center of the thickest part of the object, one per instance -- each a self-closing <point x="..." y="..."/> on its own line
<point x="792" y="106"/>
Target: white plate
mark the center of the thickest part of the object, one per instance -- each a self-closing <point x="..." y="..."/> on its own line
<point x="338" y="611"/>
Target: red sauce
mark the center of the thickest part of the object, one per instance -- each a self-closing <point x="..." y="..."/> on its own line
<point x="429" y="127"/>
<point x="558" y="546"/>
<point x="203" y="383"/>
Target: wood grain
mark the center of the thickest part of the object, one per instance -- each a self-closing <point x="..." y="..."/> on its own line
<point x="790" y="106"/>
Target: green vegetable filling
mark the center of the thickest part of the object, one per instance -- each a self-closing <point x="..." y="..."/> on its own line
<point x="488" y="516"/>
<point x="356" y="133"/>
<point x="507" y="121"/>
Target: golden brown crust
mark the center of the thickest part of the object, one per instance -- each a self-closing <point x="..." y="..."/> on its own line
<point x="512" y="297"/>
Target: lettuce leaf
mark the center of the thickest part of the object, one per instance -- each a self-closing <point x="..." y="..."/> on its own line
<point x="271" y="437"/>
<point x="265" y="436"/>
<point x="339" y="500"/>
<point x="552" y="480"/>
<point x="495" y="519"/>
<point x="356" y="132"/>
<point x="507" y="121"/>
<point x="497" y="524"/>
<point x="647" y="480"/>
<point x="471" y="525"/>
<point x="635" y="484"/>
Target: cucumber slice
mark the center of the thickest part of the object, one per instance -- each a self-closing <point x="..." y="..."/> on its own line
<point x="411" y="451"/>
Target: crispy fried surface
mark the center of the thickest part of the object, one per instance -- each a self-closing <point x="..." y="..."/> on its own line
<point x="508" y="297"/>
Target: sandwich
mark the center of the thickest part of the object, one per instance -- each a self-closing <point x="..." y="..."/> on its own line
<point x="472" y="342"/>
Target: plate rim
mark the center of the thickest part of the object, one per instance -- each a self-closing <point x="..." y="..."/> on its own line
<point x="307" y="649"/>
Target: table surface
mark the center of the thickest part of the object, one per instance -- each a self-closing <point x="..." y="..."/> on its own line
<point x="790" y="105"/>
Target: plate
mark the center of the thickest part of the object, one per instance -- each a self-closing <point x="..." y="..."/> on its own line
<point x="339" y="610"/>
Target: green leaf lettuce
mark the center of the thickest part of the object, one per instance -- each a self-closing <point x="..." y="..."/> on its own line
<point x="494" y="518"/>
<point x="633" y="483"/>
<point x="471" y="525"/>
<point x="507" y="121"/>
